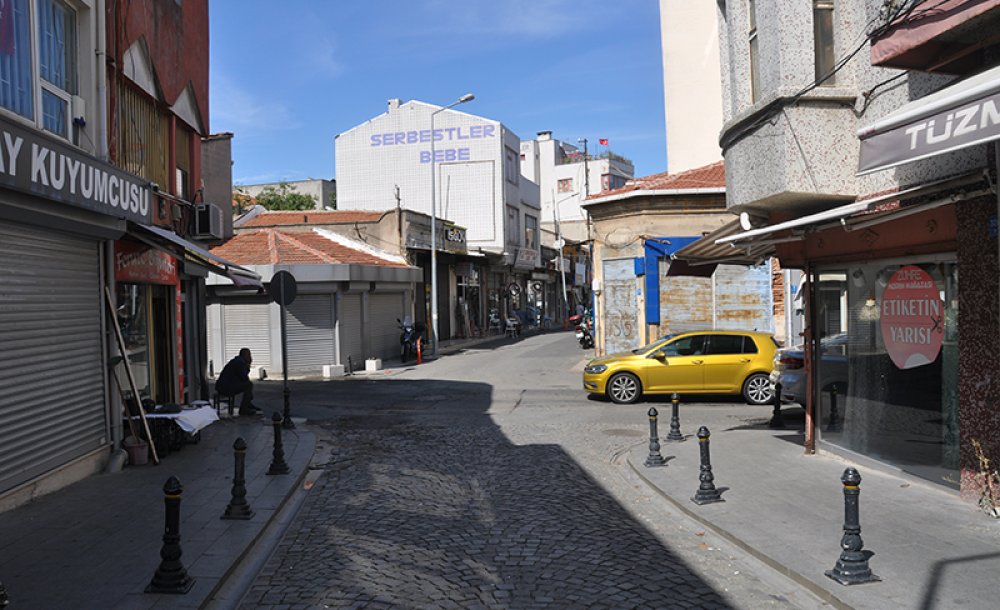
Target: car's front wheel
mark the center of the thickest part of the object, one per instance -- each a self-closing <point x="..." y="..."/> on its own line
<point x="757" y="389"/>
<point x="624" y="388"/>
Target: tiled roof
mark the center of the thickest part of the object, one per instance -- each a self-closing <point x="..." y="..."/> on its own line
<point x="273" y="247"/>
<point x="709" y="176"/>
<point x="311" y="217"/>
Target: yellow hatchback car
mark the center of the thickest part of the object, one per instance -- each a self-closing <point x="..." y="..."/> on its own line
<point x="702" y="362"/>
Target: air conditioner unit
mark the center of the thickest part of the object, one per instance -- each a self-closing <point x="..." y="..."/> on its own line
<point x="208" y="221"/>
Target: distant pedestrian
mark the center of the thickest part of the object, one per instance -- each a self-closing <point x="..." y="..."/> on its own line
<point x="235" y="379"/>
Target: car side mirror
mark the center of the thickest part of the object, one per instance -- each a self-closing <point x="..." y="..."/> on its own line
<point x="659" y="355"/>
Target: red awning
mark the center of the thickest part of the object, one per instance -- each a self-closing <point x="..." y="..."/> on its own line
<point x="936" y="36"/>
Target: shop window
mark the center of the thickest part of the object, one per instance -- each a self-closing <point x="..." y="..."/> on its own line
<point x="887" y="381"/>
<point x="133" y="320"/>
<point x="54" y="59"/>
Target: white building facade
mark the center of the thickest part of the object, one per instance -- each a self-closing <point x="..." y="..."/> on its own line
<point x="566" y="175"/>
<point x="385" y="163"/>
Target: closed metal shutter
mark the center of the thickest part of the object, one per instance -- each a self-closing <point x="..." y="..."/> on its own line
<point x="52" y="401"/>
<point x="309" y="329"/>
<point x="350" y="331"/>
<point x="247" y="325"/>
<point x="383" y="311"/>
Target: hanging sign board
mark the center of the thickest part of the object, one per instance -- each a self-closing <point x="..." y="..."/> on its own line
<point x="912" y="318"/>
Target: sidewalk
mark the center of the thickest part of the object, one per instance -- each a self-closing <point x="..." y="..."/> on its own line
<point x="932" y="550"/>
<point x="96" y="544"/>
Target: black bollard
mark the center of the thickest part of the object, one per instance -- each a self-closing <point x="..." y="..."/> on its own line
<point x="707" y="493"/>
<point x="654" y="458"/>
<point x="278" y="465"/>
<point x="350" y="366"/>
<point x="675" y="419"/>
<point x="852" y="567"/>
<point x="289" y="424"/>
<point x="170" y="576"/>
<point x="4" y="600"/>
<point x="834" y="415"/>
<point x="776" y="420"/>
<point x="238" y="507"/>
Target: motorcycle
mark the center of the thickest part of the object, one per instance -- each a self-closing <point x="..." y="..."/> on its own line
<point x="408" y="337"/>
<point x="583" y="332"/>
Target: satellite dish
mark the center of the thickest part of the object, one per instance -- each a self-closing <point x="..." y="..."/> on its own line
<point x="745" y="221"/>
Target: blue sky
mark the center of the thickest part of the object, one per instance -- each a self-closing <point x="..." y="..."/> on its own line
<point x="286" y="77"/>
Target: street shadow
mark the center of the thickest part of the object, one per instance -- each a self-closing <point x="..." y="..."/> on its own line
<point x="427" y="502"/>
<point x="928" y="599"/>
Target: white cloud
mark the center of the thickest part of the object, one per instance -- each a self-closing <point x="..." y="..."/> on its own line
<point x="530" y="18"/>
<point x="238" y="109"/>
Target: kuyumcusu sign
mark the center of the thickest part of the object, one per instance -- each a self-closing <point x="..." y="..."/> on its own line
<point x="912" y="318"/>
<point x="37" y="164"/>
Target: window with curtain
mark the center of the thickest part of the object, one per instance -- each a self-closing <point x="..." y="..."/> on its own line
<point x="16" y="75"/>
<point x="183" y="170"/>
<point x="530" y="232"/>
<point x="823" y="40"/>
<point x="56" y="63"/>
<point x="755" y="91"/>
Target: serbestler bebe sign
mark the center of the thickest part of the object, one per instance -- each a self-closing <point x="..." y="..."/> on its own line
<point x="912" y="318"/>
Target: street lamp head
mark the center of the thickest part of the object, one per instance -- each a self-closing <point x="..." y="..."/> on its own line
<point x="582" y="140"/>
<point x="468" y="97"/>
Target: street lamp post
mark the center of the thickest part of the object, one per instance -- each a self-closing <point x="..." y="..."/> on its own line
<point x="468" y="97"/>
<point x="559" y="240"/>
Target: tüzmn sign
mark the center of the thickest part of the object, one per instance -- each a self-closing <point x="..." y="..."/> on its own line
<point x="34" y="163"/>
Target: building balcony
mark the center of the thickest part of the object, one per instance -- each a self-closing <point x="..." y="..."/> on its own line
<point x="796" y="154"/>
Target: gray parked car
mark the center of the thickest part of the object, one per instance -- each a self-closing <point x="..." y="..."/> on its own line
<point x="789" y="368"/>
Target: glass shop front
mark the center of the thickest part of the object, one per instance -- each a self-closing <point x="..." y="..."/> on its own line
<point x="886" y="370"/>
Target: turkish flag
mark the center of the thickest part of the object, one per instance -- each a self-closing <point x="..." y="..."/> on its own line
<point x="6" y="27"/>
<point x="603" y="141"/>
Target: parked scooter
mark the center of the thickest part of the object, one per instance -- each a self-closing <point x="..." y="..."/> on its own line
<point x="583" y="332"/>
<point x="409" y="334"/>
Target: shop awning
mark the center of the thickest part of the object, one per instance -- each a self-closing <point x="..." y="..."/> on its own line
<point x="956" y="117"/>
<point x="864" y="213"/>
<point x="165" y="240"/>
<point x="699" y="259"/>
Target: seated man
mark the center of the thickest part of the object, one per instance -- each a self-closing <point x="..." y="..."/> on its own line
<point x="235" y="379"/>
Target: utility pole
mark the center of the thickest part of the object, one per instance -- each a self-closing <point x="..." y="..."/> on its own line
<point x="586" y="169"/>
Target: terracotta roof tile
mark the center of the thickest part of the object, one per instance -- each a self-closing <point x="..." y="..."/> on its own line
<point x="709" y="176"/>
<point x="311" y="217"/>
<point x="273" y="247"/>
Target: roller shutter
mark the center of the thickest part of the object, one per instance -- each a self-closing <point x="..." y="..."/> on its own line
<point x="383" y="311"/>
<point x="247" y="325"/>
<point x="309" y="327"/>
<point x="52" y="400"/>
<point x="350" y="331"/>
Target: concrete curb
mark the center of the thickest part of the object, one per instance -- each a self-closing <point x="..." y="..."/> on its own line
<point x="822" y="593"/>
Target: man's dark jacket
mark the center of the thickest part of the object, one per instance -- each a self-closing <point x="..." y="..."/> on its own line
<point x="234" y="377"/>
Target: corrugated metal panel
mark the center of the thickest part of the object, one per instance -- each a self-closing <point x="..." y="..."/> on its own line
<point x="309" y="329"/>
<point x="383" y="310"/>
<point x="351" y="343"/>
<point x="685" y="302"/>
<point x="52" y="402"/>
<point x="621" y="306"/>
<point x="247" y="325"/>
<point x="743" y="298"/>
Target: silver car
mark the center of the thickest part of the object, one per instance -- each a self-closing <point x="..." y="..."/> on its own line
<point x="789" y="368"/>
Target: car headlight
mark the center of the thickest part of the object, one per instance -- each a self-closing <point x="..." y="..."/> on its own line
<point x="594" y="369"/>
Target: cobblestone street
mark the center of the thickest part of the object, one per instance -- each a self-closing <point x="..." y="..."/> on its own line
<point x="467" y="497"/>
